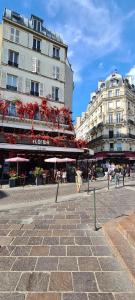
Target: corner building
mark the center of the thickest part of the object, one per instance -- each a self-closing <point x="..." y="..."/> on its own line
<point x="109" y="121"/>
<point x="36" y="85"/>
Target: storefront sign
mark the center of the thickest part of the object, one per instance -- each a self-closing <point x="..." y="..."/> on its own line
<point x="40" y="142"/>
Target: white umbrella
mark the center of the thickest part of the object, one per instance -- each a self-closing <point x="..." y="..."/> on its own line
<point x="17" y="159"/>
<point x="52" y="160"/>
<point x="67" y="159"/>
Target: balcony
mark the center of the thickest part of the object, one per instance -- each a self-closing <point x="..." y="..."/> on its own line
<point x="115" y="136"/>
<point x="13" y="64"/>
<point x="36" y="49"/>
<point x="56" y="57"/>
<point x="11" y="88"/>
<point x="34" y="93"/>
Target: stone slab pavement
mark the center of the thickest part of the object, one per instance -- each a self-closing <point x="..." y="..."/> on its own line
<point x="50" y="251"/>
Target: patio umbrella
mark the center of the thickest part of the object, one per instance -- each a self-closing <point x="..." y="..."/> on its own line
<point x="17" y="159"/>
<point x="52" y="160"/>
<point x="67" y="159"/>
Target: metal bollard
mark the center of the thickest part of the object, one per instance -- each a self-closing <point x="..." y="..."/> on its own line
<point x="88" y="185"/>
<point x="57" y="192"/>
<point x="123" y="180"/>
<point x="95" y="216"/>
<point x="108" y="183"/>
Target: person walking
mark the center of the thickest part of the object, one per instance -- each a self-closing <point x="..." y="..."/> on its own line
<point x="117" y="177"/>
<point x="78" y="179"/>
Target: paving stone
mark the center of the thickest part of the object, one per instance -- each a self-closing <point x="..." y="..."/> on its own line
<point x="12" y="296"/>
<point x="109" y="264"/>
<point x="66" y="222"/>
<point x="78" y="251"/>
<point x="125" y="296"/>
<point x="41" y="225"/>
<point x="24" y="264"/>
<point x="114" y="282"/>
<point x="16" y="233"/>
<point x="68" y="264"/>
<point x="5" y="240"/>
<point x="98" y="240"/>
<point x="61" y="232"/>
<point x="44" y="296"/>
<point x="60" y="281"/>
<point x="33" y="282"/>
<point x="21" y="251"/>
<point x="35" y="241"/>
<point x="20" y="241"/>
<point x="4" y="251"/>
<point x="82" y="241"/>
<point x="44" y="232"/>
<point x="84" y="282"/>
<point x="75" y="296"/>
<point x="101" y="251"/>
<point x="51" y="241"/>
<point x="28" y="226"/>
<point x="6" y="263"/>
<point x="3" y="232"/>
<point x="39" y="251"/>
<point x="57" y="251"/>
<point x="47" y="264"/>
<point x="77" y="232"/>
<point x="31" y="233"/>
<point x="67" y="241"/>
<point x="8" y="280"/>
<point x="100" y="296"/>
<point x="69" y="226"/>
<point x="88" y="264"/>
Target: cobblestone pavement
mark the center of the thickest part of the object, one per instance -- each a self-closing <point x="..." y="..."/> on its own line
<point x="50" y="251"/>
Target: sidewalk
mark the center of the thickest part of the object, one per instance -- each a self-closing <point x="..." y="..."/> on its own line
<point x="49" y="251"/>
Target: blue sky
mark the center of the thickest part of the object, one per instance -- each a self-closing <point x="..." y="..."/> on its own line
<point x="100" y="35"/>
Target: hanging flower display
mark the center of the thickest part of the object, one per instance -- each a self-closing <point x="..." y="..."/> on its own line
<point x="3" y="107"/>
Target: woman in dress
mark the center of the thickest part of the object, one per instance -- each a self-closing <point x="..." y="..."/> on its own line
<point x="78" y="179"/>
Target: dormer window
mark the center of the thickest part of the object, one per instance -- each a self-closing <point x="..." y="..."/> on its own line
<point x="37" y="23"/>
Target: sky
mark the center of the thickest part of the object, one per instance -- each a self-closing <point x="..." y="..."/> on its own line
<point x="99" y="33"/>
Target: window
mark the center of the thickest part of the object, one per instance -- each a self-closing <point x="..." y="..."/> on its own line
<point x="118" y="134"/>
<point x="110" y="118"/>
<point x="37" y="25"/>
<point x="11" y="82"/>
<point x="110" y="105"/>
<point x="118" y="117"/>
<point x="118" y="104"/>
<point x="14" y="35"/>
<point x="13" y="58"/>
<point x="34" y="88"/>
<point x="55" y="93"/>
<point x="111" y="146"/>
<point x="119" y="147"/>
<point x="129" y="105"/>
<point x="56" y="72"/>
<point x="117" y="93"/>
<point x="12" y="109"/>
<point x="56" y="52"/>
<point x="110" y="134"/>
<point x="35" y="65"/>
<point x="109" y="93"/>
<point x="36" y="45"/>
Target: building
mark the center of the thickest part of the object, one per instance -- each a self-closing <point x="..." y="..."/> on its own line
<point x="36" y="85"/>
<point x="109" y="121"/>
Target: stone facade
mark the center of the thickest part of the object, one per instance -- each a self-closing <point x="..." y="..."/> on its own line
<point x="109" y="121"/>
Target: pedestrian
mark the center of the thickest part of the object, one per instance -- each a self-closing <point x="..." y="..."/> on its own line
<point x="117" y="177"/>
<point x="78" y="179"/>
<point x="64" y="176"/>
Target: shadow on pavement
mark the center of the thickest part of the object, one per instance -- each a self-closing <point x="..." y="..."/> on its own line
<point x="3" y="194"/>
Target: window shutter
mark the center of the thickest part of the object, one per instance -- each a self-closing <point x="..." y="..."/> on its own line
<point x="5" y="55"/>
<point x="34" y="64"/>
<point x="17" y="34"/>
<point x="27" y="86"/>
<point x="3" y="79"/>
<point x="57" y="72"/>
<point x="53" y="92"/>
<point x="20" y="84"/>
<point x="38" y="66"/>
<point x="61" y="95"/>
<point x="54" y="71"/>
<point x="12" y="32"/>
<point x="41" y="89"/>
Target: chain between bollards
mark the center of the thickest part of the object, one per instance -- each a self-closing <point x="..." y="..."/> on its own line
<point x="57" y="192"/>
<point x="95" y="216"/>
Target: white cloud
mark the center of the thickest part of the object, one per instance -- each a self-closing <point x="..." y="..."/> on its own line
<point x="132" y="73"/>
<point x="91" y="28"/>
